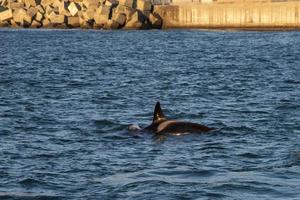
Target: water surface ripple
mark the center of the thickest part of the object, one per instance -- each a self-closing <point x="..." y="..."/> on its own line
<point x="67" y="98"/>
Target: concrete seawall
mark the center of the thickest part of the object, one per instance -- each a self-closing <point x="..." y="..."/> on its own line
<point x="237" y="15"/>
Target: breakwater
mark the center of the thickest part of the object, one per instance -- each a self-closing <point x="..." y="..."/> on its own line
<point x="107" y="14"/>
<point x="232" y="14"/>
<point x="147" y="14"/>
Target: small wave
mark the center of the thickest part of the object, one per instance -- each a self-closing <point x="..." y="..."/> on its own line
<point x="287" y="106"/>
<point x="28" y="195"/>
<point x="104" y="122"/>
<point x="250" y="155"/>
<point x="29" y="182"/>
<point x="109" y="125"/>
<point x="238" y="129"/>
<point x="290" y="81"/>
<point x="214" y="195"/>
<point x="116" y="137"/>
<point x="148" y="183"/>
<point x="246" y="187"/>
<point x="184" y="174"/>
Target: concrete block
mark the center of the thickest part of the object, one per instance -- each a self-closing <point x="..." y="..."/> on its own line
<point x="89" y="14"/>
<point x="61" y="5"/>
<point x="73" y="22"/>
<point x="39" y="16"/>
<point x="41" y="9"/>
<point x="128" y="3"/>
<point x="16" y="5"/>
<point x="111" y="3"/>
<point x="13" y="24"/>
<point x="45" y="3"/>
<point x="49" y="10"/>
<point x="102" y="15"/>
<point x="111" y="24"/>
<point x="126" y="10"/>
<point x="32" y="11"/>
<point x="21" y="16"/>
<point x="81" y="18"/>
<point x="92" y="7"/>
<point x="207" y="1"/>
<point x="146" y="14"/>
<point x="104" y="10"/>
<point x="3" y="3"/>
<point x="46" y="23"/>
<point x="88" y="3"/>
<point x="100" y="19"/>
<point x="144" y="5"/>
<point x="56" y="18"/>
<point x="156" y="20"/>
<point x="120" y="18"/>
<point x="5" y="14"/>
<point x="36" y="24"/>
<point x="29" y="3"/>
<point x="135" y="22"/>
<point x="5" y="24"/>
<point x="86" y="24"/>
<point x="73" y="8"/>
<point x="2" y="8"/>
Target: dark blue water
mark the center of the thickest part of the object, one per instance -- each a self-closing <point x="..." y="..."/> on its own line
<point x="67" y="98"/>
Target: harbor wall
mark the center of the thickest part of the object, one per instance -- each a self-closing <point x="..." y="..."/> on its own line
<point x="231" y="14"/>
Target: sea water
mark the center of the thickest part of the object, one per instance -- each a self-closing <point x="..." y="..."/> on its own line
<point x="67" y="99"/>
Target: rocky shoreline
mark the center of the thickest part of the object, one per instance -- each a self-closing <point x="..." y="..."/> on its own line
<point x="91" y="14"/>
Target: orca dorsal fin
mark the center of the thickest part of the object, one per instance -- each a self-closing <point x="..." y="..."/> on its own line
<point x="158" y="114"/>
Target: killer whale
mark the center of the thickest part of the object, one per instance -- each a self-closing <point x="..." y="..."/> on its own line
<point x="161" y="125"/>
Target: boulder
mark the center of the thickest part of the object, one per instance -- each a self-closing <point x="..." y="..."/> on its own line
<point x="144" y="5"/>
<point x="73" y="8"/>
<point x="5" y="14"/>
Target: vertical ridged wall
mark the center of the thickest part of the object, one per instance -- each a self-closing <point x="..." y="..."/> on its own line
<point x="231" y="15"/>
